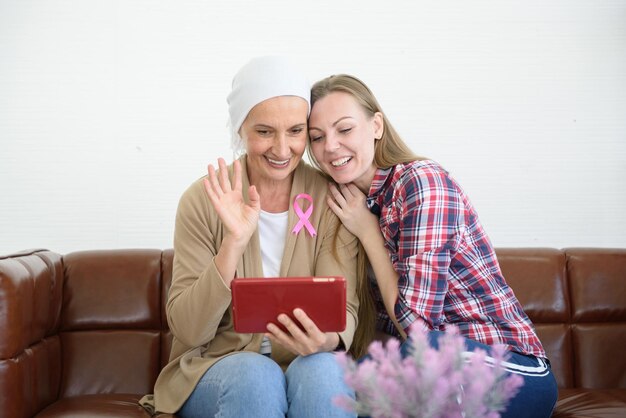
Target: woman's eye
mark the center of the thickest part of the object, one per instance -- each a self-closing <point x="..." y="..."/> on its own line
<point x="345" y="131"/>
<point x="315" y="137"/>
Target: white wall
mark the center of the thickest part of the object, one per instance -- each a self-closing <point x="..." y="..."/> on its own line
<point x="108" y="110"/>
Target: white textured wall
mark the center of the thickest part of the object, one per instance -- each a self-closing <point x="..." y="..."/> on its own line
<point x="108" y="110"/>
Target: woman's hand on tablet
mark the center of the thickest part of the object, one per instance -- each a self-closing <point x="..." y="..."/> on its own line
<point x="304" y="338"/>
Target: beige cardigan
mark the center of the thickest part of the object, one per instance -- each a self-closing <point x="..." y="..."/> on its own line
<point x="199" y="303"/>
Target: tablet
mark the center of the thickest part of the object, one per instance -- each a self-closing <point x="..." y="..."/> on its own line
<point x="259" y="301"/>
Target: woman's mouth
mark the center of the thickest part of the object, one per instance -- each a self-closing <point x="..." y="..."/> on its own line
<point x="340" y="162"/>
<point x="278" y="163"/>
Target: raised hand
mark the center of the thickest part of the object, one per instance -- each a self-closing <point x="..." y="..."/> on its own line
<point x="239" y="217"/>
<point x="303" y="339"/>
<point x="348" y="203"/>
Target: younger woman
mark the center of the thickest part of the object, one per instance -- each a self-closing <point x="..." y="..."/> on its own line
<point x="433" y="264"/>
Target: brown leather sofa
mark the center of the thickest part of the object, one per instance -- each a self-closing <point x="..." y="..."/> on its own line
<point x="85" y="334"/>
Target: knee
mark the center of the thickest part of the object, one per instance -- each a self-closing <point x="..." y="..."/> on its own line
<point x="312" y="383"/>
<point x="238" y="384"/>
<point x="255" y="380"/>
<point x="315" y="372"/>
<point x="316" y="367"/>
<point x="257" y="372"/>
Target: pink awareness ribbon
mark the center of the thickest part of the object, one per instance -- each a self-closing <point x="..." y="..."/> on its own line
<point x="303" y="216"/>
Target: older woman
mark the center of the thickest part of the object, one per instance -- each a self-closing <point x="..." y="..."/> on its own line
<point x="238" y="221"/>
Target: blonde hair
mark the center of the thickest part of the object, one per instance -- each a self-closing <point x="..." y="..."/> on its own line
<point x="389" y="151"/>
<point x="365" y="330"/>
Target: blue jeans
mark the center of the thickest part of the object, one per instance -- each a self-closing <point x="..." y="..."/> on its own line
<point x="535" y="399"/>
<point x="253" y="385"/>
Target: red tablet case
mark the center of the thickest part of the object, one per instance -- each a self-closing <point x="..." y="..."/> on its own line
<point x="258" y="301"/>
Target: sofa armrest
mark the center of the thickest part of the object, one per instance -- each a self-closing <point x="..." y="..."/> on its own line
<point x="30" y="353"/>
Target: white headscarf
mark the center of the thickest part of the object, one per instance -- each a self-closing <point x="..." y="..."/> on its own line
<point x="260" y="79"/>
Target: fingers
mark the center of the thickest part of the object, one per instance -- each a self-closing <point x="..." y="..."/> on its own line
<point x="255" y="198"/>
<point x="355" y="191"/>
<point x="223" y="176"/>
<point x="346" y="194"/>
<point x="345" y="191"/>
<point x="335" y="200"/>
<point x="352" y="193"/>
<point x="209" y="191"/>
<point x="294" y="330"/>
<point x="337" y="195"/>
<point x="212" y="182"/>
<point x="334" y="207"/>
<point x="276" y="334"/>
<point x="306" y="322"/>
<point x="303" y="337"/>
<point x="218" y="183"/>
<point x="347" y="198"/>
<point x="211" y="186"/>
<point x="237" y="175"/>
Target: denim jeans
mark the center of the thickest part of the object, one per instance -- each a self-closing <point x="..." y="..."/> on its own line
<point x="253" y="385"/>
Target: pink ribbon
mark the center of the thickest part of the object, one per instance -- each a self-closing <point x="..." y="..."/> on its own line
<point x="303" y="216"/>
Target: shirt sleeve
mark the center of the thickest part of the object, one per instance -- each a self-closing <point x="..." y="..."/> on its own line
<point x="198" y="297"/>
<point x="427" y="213"/>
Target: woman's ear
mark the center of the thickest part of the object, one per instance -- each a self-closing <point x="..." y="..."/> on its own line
<point x="379" y="125"/>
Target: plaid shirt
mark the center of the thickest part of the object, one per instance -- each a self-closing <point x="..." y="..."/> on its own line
<point x="448" y="271"/>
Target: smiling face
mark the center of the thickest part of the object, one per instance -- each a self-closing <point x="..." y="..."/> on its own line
<point x="274" y="133"/>
<point x="342" y="138"/>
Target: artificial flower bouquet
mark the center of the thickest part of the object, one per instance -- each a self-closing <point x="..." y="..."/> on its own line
<point x="446" y="383"/>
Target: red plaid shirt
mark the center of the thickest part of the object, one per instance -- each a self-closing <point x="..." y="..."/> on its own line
<point x="448" y="269"/>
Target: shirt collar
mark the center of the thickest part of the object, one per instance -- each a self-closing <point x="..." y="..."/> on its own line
<point x="381" y="177"/>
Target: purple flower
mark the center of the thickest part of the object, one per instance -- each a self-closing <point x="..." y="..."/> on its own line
<point x="444" y="383"/>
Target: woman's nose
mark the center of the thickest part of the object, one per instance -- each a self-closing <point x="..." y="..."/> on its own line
<point x="331" y="143"/>
<point x="281" y="146"/>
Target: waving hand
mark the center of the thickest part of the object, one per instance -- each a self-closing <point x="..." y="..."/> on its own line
<point x="239" y="218"/>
